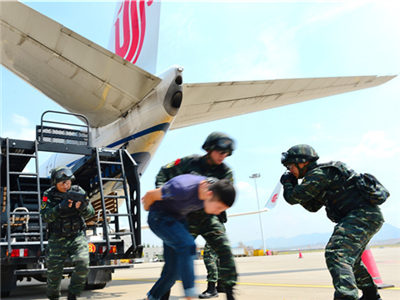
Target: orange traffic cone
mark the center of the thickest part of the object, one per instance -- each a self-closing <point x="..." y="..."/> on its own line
<point x="300" y="254"/>
<point x="370" y="264"/>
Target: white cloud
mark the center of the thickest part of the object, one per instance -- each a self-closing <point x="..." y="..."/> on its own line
<point x="277" y="56"/>
<point x="20" y="120"/>
<point x="345" y="7"/>
<point x="374" y="145"/>
<point x="244" y="187"/>
<point x="316" y="126"/>
<point x="21" y="129"/>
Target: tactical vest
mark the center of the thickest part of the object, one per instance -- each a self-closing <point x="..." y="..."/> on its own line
<point x="342" y="195"/>
<point x="199" y="166"/>
<point x="70" y="222"/>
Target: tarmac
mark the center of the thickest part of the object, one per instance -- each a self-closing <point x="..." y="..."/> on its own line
<point x="276" y="277"/>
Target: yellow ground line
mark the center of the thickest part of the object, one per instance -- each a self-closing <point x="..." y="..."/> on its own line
<point x="257" y="284"/>
<point x="286" y="285"/>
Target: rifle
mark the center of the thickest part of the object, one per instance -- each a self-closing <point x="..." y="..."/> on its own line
<point x="75" y="197"/>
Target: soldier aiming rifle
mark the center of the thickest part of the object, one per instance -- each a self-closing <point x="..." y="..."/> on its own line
<point x="64" y="208"/>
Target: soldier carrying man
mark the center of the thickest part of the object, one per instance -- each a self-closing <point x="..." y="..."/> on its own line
<point x="168" y="207"/>
<point x="211" y="228"/>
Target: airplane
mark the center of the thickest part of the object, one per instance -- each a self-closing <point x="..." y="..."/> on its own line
<point x="127" y="105"/>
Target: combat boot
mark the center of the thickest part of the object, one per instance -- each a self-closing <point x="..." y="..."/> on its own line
<point x="210" y="292"/>
<point x="71" y="296"/>
<point x="229" y="293"/>
<point x="166" y="295"/>
<point x="220" y="287"/>
<point x="370" y="293"/>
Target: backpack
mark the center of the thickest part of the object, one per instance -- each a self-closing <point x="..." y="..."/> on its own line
<point x="371" y="189"/>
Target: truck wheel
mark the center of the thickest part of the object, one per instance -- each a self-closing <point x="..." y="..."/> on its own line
<point x="8" y="280"/>
<point x="97" y="286"/>
<point x="5" y="294"/>
<point x="97" y="279"/>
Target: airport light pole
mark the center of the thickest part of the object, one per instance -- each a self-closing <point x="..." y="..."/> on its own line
<point x="255" y="176"/>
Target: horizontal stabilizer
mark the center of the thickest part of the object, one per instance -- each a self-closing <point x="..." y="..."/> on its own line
<point x="204" y="102"/>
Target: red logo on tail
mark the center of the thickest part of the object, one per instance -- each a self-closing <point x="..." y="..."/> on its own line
<point x="274" y="198"/>
<point x="132" y="16"/>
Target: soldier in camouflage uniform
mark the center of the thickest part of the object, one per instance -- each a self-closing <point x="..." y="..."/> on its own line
<point x="330" y="185"/>
<point x="65" y="220"/>
<point x="218" y="257"/>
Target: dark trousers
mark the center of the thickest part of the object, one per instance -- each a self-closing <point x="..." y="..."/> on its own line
<point x="179" y="252"/>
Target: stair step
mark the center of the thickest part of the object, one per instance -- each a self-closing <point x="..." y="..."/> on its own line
<point x="22" y="173"/>
<point x="23" y="192"/>
<point x="107" y="162"/>
<point x="21" y="154"/>
<point x="112" y="179"/>
<point x="115" y="196"/>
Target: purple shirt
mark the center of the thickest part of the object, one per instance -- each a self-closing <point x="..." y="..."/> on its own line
<point x="180" y="195"/>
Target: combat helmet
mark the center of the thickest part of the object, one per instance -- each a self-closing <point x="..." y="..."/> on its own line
<point x="299" y="154"/>
<point x="219" y="141"/>
<point x="60" y="174"/>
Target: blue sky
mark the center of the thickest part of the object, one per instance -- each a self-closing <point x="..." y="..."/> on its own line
<point x="224" y="41"/>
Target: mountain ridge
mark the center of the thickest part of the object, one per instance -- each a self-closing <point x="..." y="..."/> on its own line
<point x="388" y="234"/>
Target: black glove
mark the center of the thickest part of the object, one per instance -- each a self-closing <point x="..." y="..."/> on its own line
<point x="64" y="204"/>
<point x="84" y="204"/>
<point x="223" y="218"/>
<point x="288" y="177"/>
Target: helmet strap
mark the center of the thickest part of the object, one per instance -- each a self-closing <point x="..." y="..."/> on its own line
<point x="302" y="171"/>
<point x="209" y="159"/>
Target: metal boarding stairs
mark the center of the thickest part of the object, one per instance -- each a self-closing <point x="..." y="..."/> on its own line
<point x="92" y="173"/>
<point x="99" y="168"/>
<point x="20" y="216"/>
<point x="116" y="161"/>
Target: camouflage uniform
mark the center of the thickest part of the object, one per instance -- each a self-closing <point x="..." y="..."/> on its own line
<point x="357" y="221"/>
<point x="210" y="227"/>
<point x="211" y="261"/>
<point x="66" y="240"/>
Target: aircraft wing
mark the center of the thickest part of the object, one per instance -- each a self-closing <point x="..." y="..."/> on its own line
<point x="204" y="102"/>
<point x="79" y="75"/>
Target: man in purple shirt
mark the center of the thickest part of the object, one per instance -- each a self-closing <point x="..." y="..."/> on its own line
<point x="168" y="207"/>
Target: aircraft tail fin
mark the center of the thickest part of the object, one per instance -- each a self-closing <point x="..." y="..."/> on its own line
<point x="135" y="32"/>
<point x="271" y="203"/>
<point x="272" y="200"/>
